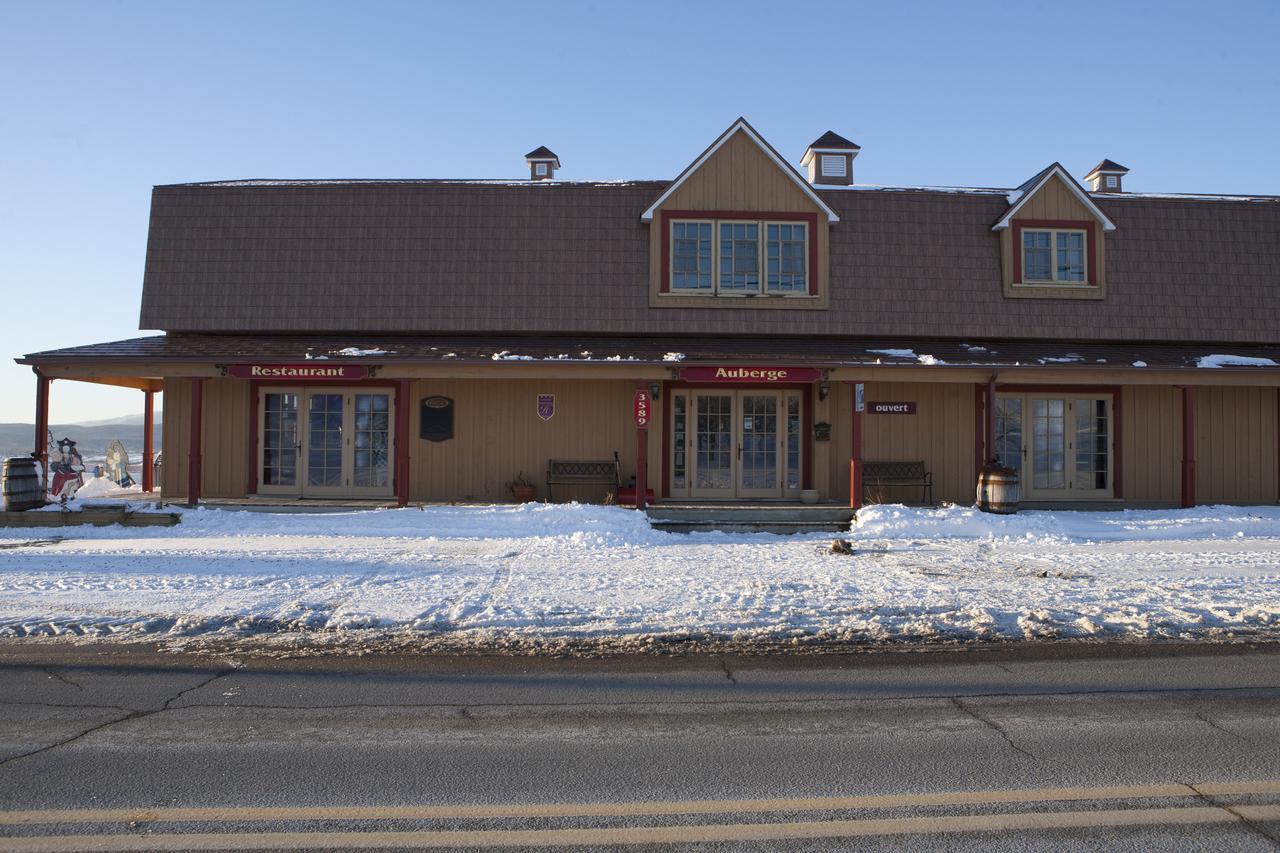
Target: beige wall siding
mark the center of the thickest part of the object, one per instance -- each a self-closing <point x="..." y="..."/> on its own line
<point x="225" y="436"/>
<point x="1056" y="201"/>
<point x="498" y="434"/>
<point x="1151" y="444"/>
<point x="1235" y="445"/>
<point x="941" y="433"/>
<point x="176" y="414"/>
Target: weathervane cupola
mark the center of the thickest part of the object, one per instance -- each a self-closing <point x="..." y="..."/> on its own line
<point x="1107" y="177"/>
<point x="543" y="163"/>
<point x="830" y="159"/>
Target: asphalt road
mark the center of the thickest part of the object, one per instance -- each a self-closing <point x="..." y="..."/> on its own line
<point x="124" y="749"/>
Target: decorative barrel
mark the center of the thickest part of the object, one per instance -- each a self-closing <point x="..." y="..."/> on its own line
<point x="998" y="489"/>
<point x="22" y="484"/>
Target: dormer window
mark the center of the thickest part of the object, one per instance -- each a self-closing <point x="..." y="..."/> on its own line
<point x="748" y="258"/>
<point x="540" y="169"/>
<point x="1053" y="256"/>
<point x="1113" y="182"/>
<point x="834" y="165"/>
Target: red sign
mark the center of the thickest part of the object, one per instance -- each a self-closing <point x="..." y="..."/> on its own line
<point x="749" y="373"/>
<point x="316" y="370"/>
<point x="642" y="409"/>
<point x="903" y="408"/>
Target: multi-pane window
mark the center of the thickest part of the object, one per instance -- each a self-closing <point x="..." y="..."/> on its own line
<point x="691" y="256"/>
<point x="1054" y="257"/>
<point x="750" y="258"/>
<point x="740" y="257"/>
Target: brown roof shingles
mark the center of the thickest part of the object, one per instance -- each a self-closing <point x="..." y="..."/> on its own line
<point x="535" y="257"/>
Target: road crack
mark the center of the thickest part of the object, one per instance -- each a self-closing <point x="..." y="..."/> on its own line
<point x="1211" y="724"/>
<point x="727" y="672"/>
<point x="130" y="714"/>
<point x="56" y="676"/>
<point x="1000" y="730"/>
<point x="1210" y="800"/>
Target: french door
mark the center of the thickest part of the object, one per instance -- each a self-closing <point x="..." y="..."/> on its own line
<point x="735" y="444"/>
<point x="1063" y="445"/>
<point x="321" y="442"/>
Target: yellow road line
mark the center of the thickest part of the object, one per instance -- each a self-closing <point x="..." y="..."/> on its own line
<point x="636" y="809"/>
<point x="644" y="835"/>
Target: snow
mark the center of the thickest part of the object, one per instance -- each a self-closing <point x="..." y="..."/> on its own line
<point x="505" y="355"/>
<point x="673" y="356"/>
<point x="1139" y="364"/>
<point x="354" y="352"/>
<point x="520" y="576"/>
<point x="101" y="487"/>
<point x="1066" y="359"/>
<point x="928" y="359"/>
<point x="896" y="353"/>
<point x="1220" y="360"/>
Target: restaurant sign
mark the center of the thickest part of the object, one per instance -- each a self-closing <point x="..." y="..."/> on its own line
<point x="309" y="372"/>
<point x="896" y="408"/>
<point x="747" y="373"/>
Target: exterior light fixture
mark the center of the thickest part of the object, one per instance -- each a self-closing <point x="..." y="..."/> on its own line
<point x="824" y="389"/>
<point x="654" y="389"/>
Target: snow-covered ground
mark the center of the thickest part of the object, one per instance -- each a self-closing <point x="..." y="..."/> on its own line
<point x="549" y="574"/>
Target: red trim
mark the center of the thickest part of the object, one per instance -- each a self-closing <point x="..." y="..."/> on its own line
<point x="642" y="456"/>
<point x="402" y="442"/>
<point x="195" y="454"/>
<point x="41" y="449"/>
<point x="665" y="217"/>
<point x="1033" y="388"/>
<point x="1117" y="420"/>
<point x="806" y="422"/>
<point x="1091" y="255"/>
<point x="148" y="448"/>
<point x="1188" y="446"/>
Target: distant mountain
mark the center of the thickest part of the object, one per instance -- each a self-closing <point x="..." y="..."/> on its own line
<point x="91" y="438"/>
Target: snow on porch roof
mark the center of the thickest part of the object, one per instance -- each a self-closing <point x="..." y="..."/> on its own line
<point x="671" y="350"/>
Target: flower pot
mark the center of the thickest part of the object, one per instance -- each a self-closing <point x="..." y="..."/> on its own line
<point x="808" y="496"/>
<point x="523" y="494"/>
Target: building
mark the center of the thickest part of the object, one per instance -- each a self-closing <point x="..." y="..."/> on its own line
<point x="431" y="340"/>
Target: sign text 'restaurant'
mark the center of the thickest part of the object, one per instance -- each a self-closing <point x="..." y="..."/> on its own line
<point x="298" y="371"/>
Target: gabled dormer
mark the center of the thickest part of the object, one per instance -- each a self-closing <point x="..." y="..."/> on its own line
<point x="740" y="227"/>
<point x="1052" y="239"/>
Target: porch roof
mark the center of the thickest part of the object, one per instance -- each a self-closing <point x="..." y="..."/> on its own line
<point x="672" y="351"/>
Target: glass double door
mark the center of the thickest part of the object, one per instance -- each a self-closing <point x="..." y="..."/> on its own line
<point x="1062" y="445"/>
<point x="735" y="444"/>
<point x="325" y="442"/>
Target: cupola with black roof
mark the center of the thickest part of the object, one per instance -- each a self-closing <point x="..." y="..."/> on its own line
<point x="1107" y="177"/>
<point x="829" y="159"/>
<point x="543" y="163"/>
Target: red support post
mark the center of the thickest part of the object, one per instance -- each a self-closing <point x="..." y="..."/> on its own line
<point x="195" y="455"/>
<point x="402" y="441"/>
<point x="1188" y="446"/>
<point x="855" y="449"/>
<point x="41" y="448"/>
<point x="148" y="448"/>
<point x="642" y="454"/>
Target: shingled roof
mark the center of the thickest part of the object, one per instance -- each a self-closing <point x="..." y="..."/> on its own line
<point x="529" y="257"/>
<point x="833" y="140"/>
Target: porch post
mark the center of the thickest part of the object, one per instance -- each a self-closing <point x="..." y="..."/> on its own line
<point x="989" y="431"/>
<point x="642" y="452"/>
<point x="41" y="448"/>
<point x="402" y="442"/>
<point x="195" y="457"/>
<point x="1188" y="446"/>
<point x="148" y="450"/>
<point x="855" y="449"/>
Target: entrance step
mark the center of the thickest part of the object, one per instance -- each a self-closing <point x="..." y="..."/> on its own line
<point x="751" y="518"/>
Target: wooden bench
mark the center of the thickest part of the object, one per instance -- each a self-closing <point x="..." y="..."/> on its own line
<point x="909" y="474"/>
<point x="576" y="472"/>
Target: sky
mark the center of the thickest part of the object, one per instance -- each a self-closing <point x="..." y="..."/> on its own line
<point x="101" y="101"/>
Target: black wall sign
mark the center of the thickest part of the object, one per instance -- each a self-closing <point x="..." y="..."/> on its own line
<point x="436" y="419"/>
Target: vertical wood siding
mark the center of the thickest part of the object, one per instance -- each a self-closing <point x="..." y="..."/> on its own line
<point x="498" y="434"/>
<point x="1235" y="445"/>
<point x="941" y="433"/>
<point x="176" y="415"/>
<point x="1151" y="444"/>
<point x="226" y="438"/>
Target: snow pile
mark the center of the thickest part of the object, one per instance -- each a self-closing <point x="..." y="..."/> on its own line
<point x="1221" y="360"/>
<point x="896" y="353"/>
<point x="512" y="576"/>
<point x="355" y="352"/>
<point x="673" y="356"/>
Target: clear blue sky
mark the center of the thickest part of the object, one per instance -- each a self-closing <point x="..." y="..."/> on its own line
<point x="99" y="101"/>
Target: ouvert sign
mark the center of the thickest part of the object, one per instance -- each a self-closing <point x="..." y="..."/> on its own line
<point x="747" y="373"/>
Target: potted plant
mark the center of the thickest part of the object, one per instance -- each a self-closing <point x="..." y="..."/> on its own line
<point x="521" y="489"/>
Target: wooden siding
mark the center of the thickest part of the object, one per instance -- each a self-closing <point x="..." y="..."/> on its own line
<point x="941" y="433"/>
<point x="225" y="437"/>
<point x="498" y="434"/>
<point x="176" y="414"/>
<point x="1235" y="445"/>
<point x="739" y="177"/>
<point x="1151" y="444"/>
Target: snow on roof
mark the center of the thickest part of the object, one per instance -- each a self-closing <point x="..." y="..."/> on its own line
<point x="1221" y="360"/>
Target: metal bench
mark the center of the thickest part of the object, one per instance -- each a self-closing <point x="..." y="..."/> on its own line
<point x="576" y="472"/>
<point x="908" y="474"/>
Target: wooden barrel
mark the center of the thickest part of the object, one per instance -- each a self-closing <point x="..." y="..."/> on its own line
<point x="22" y="484"/>
<point x="998" y="489"/>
